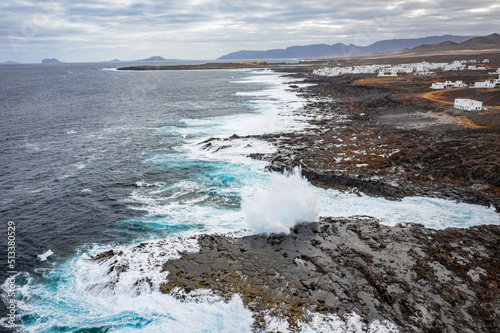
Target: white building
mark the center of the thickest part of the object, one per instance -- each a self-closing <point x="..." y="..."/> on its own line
<point x="424" y="73"/>
<point x="448" y="85"/>
<point x="483" y="84"/>
<point x="381" y="73"/>
<point x="454" y="66"/>
<point x="468" y="104"/>
<point x="438" y="85"/>
<point x="488" y="84"/>
<point x="422" y="67"/>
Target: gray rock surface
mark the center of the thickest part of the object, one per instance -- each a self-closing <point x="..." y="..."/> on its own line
<point x="420" y="279"/>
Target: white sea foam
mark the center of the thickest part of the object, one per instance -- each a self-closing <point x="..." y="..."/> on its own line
<point x="80" y="165"/>
<point x="274" y="111"/>
<point x="331" y="323"/>
<point x="45" y="255"/>
<point x="224" y="173"/>
<point x="135" y="269"/>
<point x="287" y="201"/>
<point x="431" y="212"/>
<point x="32" y="146"/>
<point x="121" y="294"/>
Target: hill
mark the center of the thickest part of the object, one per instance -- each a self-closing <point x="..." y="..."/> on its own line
<point x="341" y="49"/>
<point x="478" y="43"/>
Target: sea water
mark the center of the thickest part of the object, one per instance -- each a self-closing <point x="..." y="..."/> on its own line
<point x="96" y="159"/>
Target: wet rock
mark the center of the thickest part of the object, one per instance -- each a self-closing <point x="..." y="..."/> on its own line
<point x="420" y="280"/>
<point x="105" y="255"/>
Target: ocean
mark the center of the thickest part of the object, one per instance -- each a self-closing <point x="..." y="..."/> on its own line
<point x="94" y="159"/>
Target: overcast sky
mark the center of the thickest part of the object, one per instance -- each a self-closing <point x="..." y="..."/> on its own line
<point x="79" y="31"/>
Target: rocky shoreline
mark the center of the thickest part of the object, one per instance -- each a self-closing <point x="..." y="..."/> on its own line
<point x="419" y="279"/>
<point x="371" y="140"/>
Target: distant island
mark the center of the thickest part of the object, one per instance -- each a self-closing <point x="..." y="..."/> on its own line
<point x="154" y="58"/>
<point x="51" y="61"/>
<point x="11" y="63"/>
<point x="341" y="49"/>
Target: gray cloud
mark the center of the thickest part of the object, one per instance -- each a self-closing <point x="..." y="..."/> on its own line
<point x="31" y="30"/>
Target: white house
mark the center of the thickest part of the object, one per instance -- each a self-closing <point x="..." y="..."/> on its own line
<point x="483" y="84"/>
<point x="438" y="85"/>
<point x="448" y="85"/>
<point x="454" y="66"/>
<point x="468" y="104"/>
<point x="382" y="73"/>
<point x="424" y="73"/>
<point x="488" y="84"/>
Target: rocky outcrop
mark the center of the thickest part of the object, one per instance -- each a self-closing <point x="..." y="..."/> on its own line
<point x="420" y="279"/>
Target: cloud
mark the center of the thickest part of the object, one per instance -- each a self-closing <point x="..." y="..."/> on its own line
<point x="31" y="30"/>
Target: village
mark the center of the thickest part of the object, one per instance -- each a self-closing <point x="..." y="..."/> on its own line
<point x="426" y="69"/>
<point x="421" y="68"/>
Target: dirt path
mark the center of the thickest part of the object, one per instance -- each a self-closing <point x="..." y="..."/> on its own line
<point x="436" y="96"/>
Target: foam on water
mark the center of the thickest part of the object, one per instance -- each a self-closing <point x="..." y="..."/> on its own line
<point x="121" y="294"/>
<point x="431" y="212"/>
<point x="289" y="200"/>
<point x="331" y="323"/>
<point x="273" y="111"/>
<point x="219" y="171"/>
<point x="45" y="255"/>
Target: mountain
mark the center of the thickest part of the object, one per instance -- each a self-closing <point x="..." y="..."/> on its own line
<point x="393" y="45"/>
<point x="308" y="51"/>
<point x="478" y="43"/>
<point x="341" y="49"/>
<point x="51" y="61"/>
